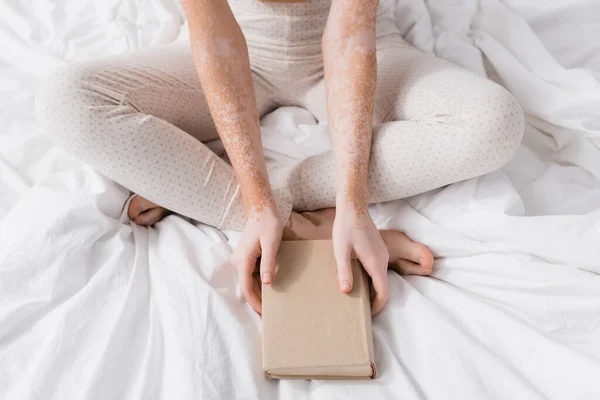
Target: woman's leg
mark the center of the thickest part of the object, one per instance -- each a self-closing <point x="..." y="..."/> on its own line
<point x="436" y="124"/>
<point x="140" y="119"/>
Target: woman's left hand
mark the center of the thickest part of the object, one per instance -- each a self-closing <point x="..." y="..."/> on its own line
<point x="356" y="236"/>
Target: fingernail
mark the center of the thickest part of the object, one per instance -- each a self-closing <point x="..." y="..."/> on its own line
<point x="345" y="286"/>
<point x="267" y="277"/>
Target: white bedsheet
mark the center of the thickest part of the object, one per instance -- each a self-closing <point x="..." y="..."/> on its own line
<point x="93" y="308"/>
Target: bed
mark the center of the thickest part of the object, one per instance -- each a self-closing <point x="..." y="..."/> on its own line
<point x="92" y="307"/>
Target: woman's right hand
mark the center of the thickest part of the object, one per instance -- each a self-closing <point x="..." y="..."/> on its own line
<point x="260" y="238"/>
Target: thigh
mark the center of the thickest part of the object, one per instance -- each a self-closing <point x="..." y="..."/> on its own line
<point x="161" y="82"/>
<point x="416" y="86"/>
<point x="410" y="85"/>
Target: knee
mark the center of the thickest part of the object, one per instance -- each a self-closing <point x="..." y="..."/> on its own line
<point x="62" y="104"/>
<point x="497" y="127"/>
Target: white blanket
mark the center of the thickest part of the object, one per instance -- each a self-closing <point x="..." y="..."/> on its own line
<point x="94" y="308"/>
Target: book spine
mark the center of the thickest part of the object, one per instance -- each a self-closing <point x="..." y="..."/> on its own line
<point x="366" y="301"/>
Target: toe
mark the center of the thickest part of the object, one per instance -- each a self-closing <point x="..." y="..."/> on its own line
<point x="406" y="267"/>
<point x="425" y="258"/>
<point x="139" y="205"/>
<point x="406" y="256"/>
<point x="400" y="246"/>
<point x="151" y="216"/>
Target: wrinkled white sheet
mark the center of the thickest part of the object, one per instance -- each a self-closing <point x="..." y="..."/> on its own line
<point x="92" y="308"/>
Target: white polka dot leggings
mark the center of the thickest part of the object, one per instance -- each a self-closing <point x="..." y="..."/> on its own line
<point x="141" y="119"/>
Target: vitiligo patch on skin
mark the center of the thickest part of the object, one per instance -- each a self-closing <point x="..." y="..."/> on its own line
<point x="221" y="57"/>
<point x="349" y="50"/>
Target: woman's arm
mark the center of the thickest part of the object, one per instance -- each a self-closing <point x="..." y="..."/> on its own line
<point x="350" y="76"/>
<point x="221" y="58"/>
<point x="349" y="49"/>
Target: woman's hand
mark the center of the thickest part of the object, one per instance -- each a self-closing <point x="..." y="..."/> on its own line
<point x="221" y="57"/>
<point x="355" y="236"/>
<point x="350" y="62"/>
<point x="260" y="238"/>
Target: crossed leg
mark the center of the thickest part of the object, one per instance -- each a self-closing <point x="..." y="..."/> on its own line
<point x="141" y="119"/>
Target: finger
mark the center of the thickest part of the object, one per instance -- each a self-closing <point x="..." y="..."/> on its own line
<point x="244" y="259"/>
<point x="246" y="281"/>
<point x="257" y="289"/>
<point x="376" y="264"/>
<point x="342" y="254"/>
<point x="267" y="259"/>
<point x="382" y="292"/>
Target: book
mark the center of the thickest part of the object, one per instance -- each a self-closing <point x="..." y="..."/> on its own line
<point x="311" y="330"/>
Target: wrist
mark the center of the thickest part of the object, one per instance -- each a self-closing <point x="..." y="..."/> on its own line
<point x="352" y="194"/>
<point x="352" y="202"/>
<point x="258" y="200"/>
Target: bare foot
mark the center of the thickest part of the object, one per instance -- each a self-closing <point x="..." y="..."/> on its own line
<point x="406" y="257"/>
<point x="144" y="212"/>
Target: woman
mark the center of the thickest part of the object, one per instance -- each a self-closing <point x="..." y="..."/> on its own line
<point x="401" y="123"/>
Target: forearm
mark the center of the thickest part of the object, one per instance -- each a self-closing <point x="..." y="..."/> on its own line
<point x="221" y="58"/>
<point x="349" y="51"/>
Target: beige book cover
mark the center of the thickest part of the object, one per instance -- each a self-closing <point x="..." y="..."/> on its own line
<point x="310" y="328"/>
